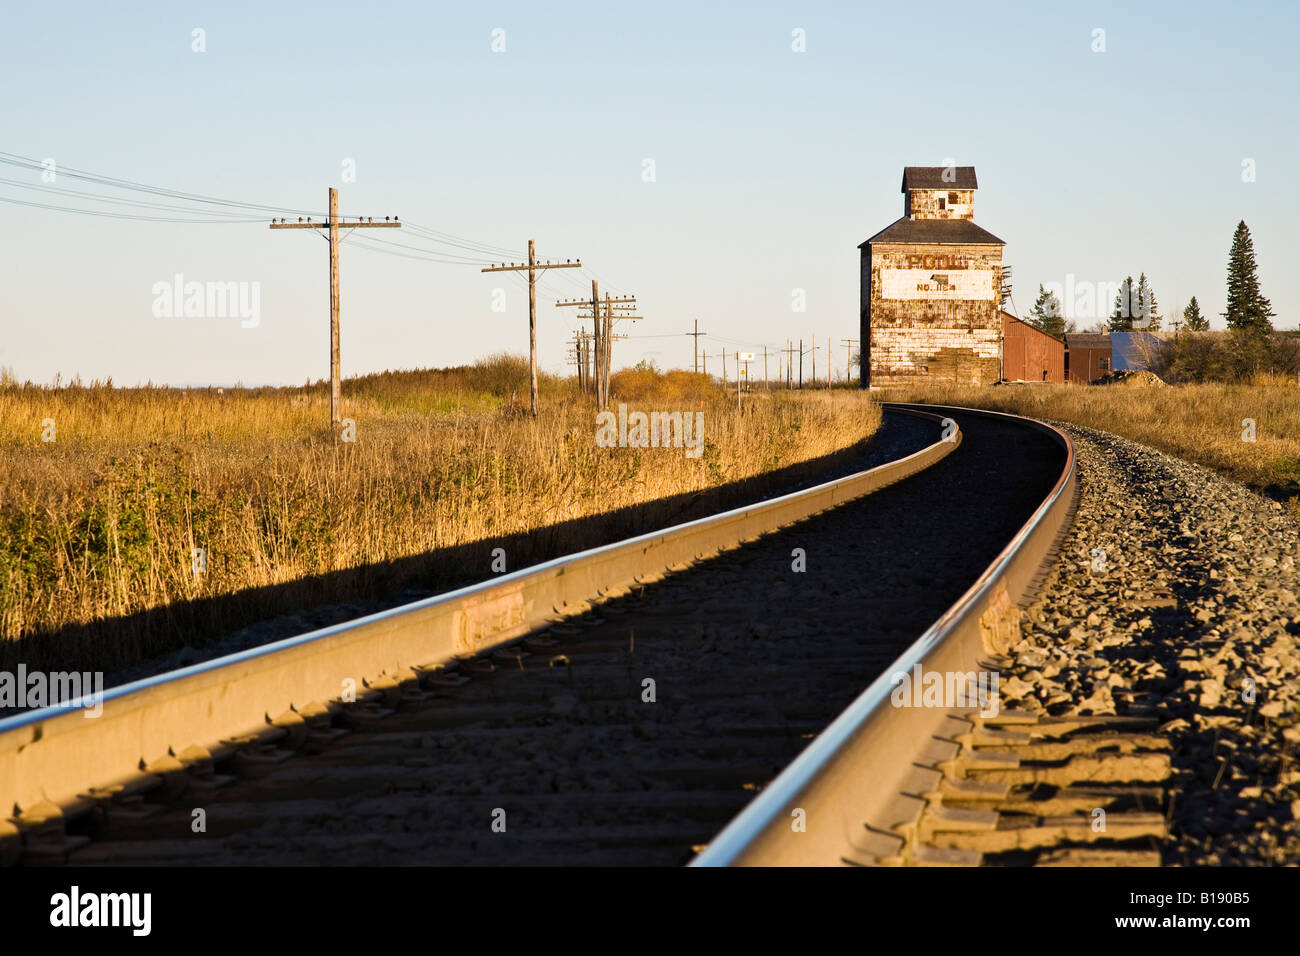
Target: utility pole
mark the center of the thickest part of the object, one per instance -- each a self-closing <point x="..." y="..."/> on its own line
<point x="579" y="359"/>
<point x="589" y="359"/>
<point x="696" y="344"/>
<point x="332" y="233"/>
<point x="789" y="363"/>
<point x="615" y="309"/>
<point x="532" y="267"/>
<point x="723" y="353"/>
<point x="602" y="332"/>
<point x="812" y="350"/>
<point x="765" y="383"/>
<point x="848" y="358"/>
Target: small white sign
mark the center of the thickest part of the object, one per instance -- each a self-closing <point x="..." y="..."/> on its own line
<point x="747" y="356"/>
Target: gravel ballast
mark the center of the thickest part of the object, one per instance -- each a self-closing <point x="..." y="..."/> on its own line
<point x="1175" y="596"/>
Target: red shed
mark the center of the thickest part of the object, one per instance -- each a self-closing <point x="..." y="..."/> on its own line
<point x="1030" y="354"/>
<point x="1088" y="358"/>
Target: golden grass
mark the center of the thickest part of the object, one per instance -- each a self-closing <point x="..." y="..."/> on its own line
<point x="99" y="525"/>
<point x="1200" y="423"/>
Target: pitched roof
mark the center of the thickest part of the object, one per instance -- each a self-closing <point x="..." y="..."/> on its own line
<point x="1087" y="340"/>
<point x="961" y="232"/>
<point x="1008" y="317"/>
<point x="931" y="177"/>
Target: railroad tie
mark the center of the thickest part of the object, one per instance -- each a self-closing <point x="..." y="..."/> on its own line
<point x="1047" y="791"/>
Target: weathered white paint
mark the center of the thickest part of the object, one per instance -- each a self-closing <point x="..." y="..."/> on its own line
<point x="963" y="284"/>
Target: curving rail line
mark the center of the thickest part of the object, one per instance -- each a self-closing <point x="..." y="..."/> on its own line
<point x="861" y="786"/>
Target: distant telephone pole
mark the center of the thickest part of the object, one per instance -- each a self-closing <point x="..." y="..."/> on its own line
<point x="580" y="359"/>
<point x="532" y="267"/>
<point x="602" y="332"/>
<point x="812" y="350"/>
<point x="696" y="344"/>
<point x="332" y="228"/>
<point x="848" y="358"/>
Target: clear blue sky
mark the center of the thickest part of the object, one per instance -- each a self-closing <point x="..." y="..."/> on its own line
<point x="771" y="166"/>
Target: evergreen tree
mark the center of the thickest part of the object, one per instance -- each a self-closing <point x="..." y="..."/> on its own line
<point x="1147" y="309"/>
<point x="1248" y="310"/>
<point x="1193" y="320"/>
<point x="1046" y="313"/>
<point x="1121" y="319"/>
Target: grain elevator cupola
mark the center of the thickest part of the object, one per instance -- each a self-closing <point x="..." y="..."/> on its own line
<point x="932" y="286"/>
<point x="939" y="192"/>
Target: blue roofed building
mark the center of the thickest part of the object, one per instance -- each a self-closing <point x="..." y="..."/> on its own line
<point x="1133" y="351"/>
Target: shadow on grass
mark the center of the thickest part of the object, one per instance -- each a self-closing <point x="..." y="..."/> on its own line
<point x="112" y="644"/>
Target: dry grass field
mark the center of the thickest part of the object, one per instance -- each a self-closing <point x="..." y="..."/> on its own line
<point x="98" y="527"/>
<point x="1201" y="423"/>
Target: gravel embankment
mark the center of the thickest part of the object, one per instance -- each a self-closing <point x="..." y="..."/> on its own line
<point x="1176" y="596"/>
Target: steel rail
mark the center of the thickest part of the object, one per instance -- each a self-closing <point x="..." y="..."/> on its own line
<point x="50" y="758"/>
<point x="862" y="783"/>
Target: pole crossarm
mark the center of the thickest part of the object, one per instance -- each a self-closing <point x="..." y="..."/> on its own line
<point x="536" y="267"/>
<point x="587" y="302"/>
<point x="342" y="224"/>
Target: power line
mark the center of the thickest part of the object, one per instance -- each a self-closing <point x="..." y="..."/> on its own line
<point x="486" y="250"/>
<point x="104" y="214"/>
<point x="366" y="241"/>
<point x="139" y="203"/>
<point x="24" y="162"/>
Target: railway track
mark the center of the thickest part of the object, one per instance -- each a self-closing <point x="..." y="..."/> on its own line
<point x="631" y="730"/>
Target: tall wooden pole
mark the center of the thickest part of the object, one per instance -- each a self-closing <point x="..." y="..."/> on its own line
<point x="602" y="334"/>
<point x="336" y="381"/>
<point x="695" y="347"/>
<point x="599" y="333"/>
<point x="532" y="329"/>
<point x="330" y="229"/>
<point x="609" y="344"/>
<point x="532" y="267"/>
<point x="848" y="360"/>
